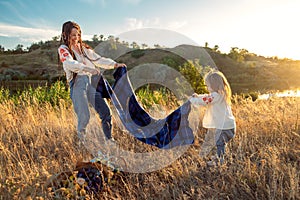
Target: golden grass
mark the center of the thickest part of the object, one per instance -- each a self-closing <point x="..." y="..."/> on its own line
<point x="263" y="160"/>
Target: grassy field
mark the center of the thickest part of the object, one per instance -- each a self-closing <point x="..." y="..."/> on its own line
<point x="37" y="141"/>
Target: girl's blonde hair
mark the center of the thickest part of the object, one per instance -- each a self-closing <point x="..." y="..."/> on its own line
<point x="218" y="83"/>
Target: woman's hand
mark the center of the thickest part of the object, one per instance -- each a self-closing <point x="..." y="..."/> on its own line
<point x="119" y="65"/>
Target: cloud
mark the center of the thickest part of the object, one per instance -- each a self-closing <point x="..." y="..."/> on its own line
<point x="154" y="31"/>
<point x="27" y="34"/>
<point x="134" y="23"/>
<point x="175" y="25"/>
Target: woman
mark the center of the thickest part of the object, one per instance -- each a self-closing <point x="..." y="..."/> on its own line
<point x="79" y="62"/>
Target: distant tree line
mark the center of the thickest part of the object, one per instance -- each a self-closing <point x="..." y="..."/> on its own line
<point x="19" y="49"/>
<point x="95" y="40"/>
<point x="235" y="53"/>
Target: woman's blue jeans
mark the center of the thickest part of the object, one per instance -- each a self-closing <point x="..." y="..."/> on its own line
<point x="84" y="93"/>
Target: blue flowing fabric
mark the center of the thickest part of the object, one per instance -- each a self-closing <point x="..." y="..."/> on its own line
<point x="172" y="131"/>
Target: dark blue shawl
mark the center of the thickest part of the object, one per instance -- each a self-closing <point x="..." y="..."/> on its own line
<point x="166" y="133"/>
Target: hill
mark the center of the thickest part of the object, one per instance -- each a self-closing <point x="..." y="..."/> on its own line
<point x="40" y="64"/>
<point x="253" y="73"/>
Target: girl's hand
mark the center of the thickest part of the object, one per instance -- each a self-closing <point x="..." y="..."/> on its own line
<point x="195" y="95"/>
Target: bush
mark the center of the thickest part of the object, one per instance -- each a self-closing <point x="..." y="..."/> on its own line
<point x="39" y="96"/>
<point x="153" y="94"/>
<point x="192" y="74"/>
<point x="3" y="64"/>
<point x="171" y="62"/>
<point x="251" y="95"/>
<point x="137" y="53"/>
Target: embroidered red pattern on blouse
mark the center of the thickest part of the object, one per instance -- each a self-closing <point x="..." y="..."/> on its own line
<point x="64" y="53"/>
<point x="208" y="99"/>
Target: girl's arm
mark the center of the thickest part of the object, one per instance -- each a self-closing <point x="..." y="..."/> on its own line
<point x="71" y="64"/>
<point x="205" y="99"/>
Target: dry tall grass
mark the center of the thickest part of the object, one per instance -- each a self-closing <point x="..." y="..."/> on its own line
<point x="263" y="159"/>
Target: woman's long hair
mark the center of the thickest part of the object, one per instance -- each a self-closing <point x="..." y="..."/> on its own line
<point x="65" y="38"/>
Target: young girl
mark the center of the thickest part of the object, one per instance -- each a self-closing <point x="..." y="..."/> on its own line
<point x="218" y="118"/>
<point x="79" y="62"/>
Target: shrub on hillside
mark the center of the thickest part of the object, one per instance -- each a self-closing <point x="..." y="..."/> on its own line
<point x="137" y="53"/>
<point x="193" y="76"/>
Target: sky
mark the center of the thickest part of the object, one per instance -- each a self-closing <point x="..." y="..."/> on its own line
<point x="264" y="27"/>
